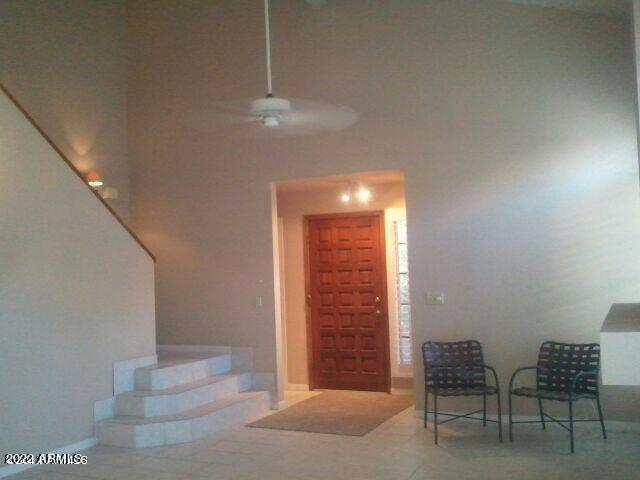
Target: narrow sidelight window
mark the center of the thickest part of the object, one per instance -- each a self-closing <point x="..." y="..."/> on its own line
<point x="404" y="311"/>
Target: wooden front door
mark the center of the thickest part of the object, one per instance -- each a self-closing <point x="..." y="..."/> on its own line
<point x="347" y="308"/>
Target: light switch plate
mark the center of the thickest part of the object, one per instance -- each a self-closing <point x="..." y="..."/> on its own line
<point x="435" y="298"/>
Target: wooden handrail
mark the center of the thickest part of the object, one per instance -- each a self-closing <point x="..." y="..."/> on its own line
<point x="73" y="168"/>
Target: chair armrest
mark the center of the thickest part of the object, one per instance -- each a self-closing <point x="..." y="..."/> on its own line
<point x="465" y="365"/>
<point x="579" y="375"/>
<point x="495" y="375"/>
<point x="521" y="369"/>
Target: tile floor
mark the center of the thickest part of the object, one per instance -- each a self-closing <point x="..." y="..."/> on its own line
<point x="400" y="449"/>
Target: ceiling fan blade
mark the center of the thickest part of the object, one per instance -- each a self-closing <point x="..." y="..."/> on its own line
<point x="211" y="120"/>
<point x="240" y="106"/>
<point x="308" y="117"/>
<point x="217" y="115"/>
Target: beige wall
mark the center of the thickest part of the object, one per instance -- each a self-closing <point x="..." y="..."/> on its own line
<point x="64" y="61"/>
<point x="635" y="14"/>
<point x="76" y="295"/>
<point x="292" y="206"/>
<point x="514" y="125"/>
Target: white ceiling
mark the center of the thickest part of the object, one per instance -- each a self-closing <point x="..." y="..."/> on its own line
<point x="616" y="8"/>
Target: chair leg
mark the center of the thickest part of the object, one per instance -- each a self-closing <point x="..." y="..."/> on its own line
<point x="571" y="424"/>
<point x="544" y="426"/>
<point x="499" y="415"/>
<point x="510" y="418"/>
<point x="484" y="410"/>
<point x="435" y="417"/>
<point x="426" y="406"/>
<point x="604" y="430"/>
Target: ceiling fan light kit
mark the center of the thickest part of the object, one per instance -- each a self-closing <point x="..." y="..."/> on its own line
<point x="270" y="109"/>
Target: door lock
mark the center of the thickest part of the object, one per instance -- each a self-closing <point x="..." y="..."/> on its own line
<point x="377" y="300"/>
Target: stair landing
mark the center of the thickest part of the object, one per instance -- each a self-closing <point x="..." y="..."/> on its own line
<point x="182" y="398"/>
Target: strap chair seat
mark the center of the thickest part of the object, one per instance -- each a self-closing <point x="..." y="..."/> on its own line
<point x="549" y="395"/>
<point x="467" y="392"/>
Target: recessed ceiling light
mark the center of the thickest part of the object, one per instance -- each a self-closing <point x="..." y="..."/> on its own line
<point x="364" y="194"/>
<point x="345" y="197"/>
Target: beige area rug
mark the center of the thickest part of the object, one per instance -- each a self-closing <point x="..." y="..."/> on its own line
<point x="339" y="412"/>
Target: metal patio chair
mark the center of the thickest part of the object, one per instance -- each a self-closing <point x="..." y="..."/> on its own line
<point x="565" y="373"/>
<point x="455" y="369"/>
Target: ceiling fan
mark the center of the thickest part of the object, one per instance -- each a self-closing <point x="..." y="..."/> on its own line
<point x="282" y="116"/>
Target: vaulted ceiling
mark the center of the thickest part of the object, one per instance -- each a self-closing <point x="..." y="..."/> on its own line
<point x="616" y="8"/>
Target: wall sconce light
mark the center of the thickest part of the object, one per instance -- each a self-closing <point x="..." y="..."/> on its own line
<point x="94" y="180"/>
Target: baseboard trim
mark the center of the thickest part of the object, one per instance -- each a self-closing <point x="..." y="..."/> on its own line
<point x="193" y="348"/>
<point x="279" y="405"/>
<point x="73" y="448"/>
<point x="401" y="391"/>
<point x="298" y="387"/>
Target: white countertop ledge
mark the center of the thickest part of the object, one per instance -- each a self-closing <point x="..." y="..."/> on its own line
<point x="622" y="317"/>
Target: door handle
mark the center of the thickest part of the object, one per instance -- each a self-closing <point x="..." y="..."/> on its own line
<point x="377" y="300"/>
<point x="378" y="313"/>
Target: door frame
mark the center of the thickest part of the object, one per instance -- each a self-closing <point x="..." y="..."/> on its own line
<point x="383" y="274"/>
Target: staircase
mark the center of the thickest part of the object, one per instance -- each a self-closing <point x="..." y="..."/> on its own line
<point x="181" y="399"/>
